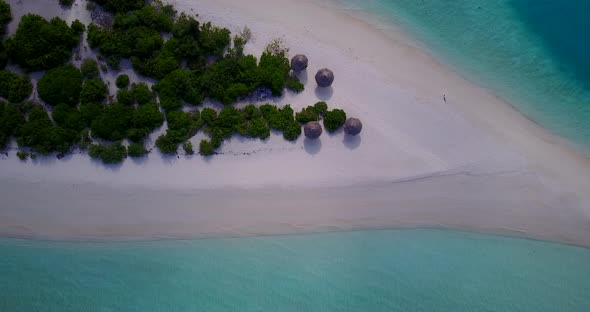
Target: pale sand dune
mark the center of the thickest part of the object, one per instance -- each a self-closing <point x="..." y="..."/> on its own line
<point x="470" y="163"/>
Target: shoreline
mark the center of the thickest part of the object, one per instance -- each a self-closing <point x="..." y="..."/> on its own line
<point x="508" y="234"/>
<point x="144" y="214"/>
<point x="483" y="167"/>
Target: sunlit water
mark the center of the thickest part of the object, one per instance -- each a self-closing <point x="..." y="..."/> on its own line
<point x="389" y="270"/>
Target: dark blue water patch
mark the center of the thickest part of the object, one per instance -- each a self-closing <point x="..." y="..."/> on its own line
<point x="563" y="26"/>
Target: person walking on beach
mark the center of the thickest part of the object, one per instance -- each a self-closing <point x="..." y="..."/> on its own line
<point x="445" y="98"/>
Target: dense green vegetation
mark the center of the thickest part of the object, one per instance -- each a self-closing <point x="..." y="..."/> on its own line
<point x="178" y="86"/>
<point x="181" y="127"/>
<point x="66" y="2"/>
<point x="40" y="44"/>
<point x="294" y="84"/>
<point x="61" y="85"/>
<point x="68" y="117"/>
<point x="93" y="91"/>
<point x="136" y="35"/>
<point x="334" y="120"/>
<point x="118" y="121"/>
<point x="5" y="16"/>
<point x="312" y="113"/>
<point x="136" y="150"/>
<point x="40" y="135"/>
<point x="141" y="93"/>
<point x="89" y="69"/>
<point x="198" y="61"/>
<point x="13" y="87"/>
<point x="11" y="121"/>
<point x="109" y="154"/>
<point x="120" y="6"/>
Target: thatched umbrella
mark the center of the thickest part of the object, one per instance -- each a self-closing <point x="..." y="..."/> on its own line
<point x="299" y="63"/>
<point x="324" y="77"/>
<point x="312" y="130"/>
<point x="353" y="126"/>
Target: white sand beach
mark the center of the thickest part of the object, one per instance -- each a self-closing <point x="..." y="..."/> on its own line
<point x="472" y="162"/>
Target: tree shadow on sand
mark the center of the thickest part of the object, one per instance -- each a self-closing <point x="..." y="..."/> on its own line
<point x="312" y="147"/>
<point x="352" y="142"/>
<point x="324" y="94"/>
<point x="302" y="76"/>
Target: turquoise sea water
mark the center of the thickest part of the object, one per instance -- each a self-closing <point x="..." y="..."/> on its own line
<point x="388" y="270"/>
<point x="533" y="53"/>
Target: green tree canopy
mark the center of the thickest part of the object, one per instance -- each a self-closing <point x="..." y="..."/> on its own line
<point x="11" y="121"/>
<point x="13" y="87"/>
<point x="120" y="6"/>
<point x="89" y="69"/>
<point x="61" y="85"/>
<point x="122" y="81"/>
<point x="68" y="117"/>
<point x="40" y="44"/>
<point x="113" y="123"/>
<point x="334" y="119"/>
<point x="39" y="134"/>
<point x="93" y="91"/>
<point x="5" y="16"/>
<point x="109" y="154"/>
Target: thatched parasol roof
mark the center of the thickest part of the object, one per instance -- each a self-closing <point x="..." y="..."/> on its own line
<point x="353" y="126"/>
<point x="299" y="63"/>
<point x="324" y="77"/>
<point x="312" y="130"/>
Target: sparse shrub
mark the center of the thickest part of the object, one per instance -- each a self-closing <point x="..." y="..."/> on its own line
<point x="294" y="84"/>
<point x="22" y="155"/>
<point x="188" y="148"/>
<point x="206" y="148"/>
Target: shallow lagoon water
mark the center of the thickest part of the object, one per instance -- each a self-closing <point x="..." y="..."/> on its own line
<point x="386" y="270"/>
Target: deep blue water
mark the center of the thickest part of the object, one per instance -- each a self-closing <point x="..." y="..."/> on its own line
<point x="533" y="53"/>
<point x="389" y="270"/>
